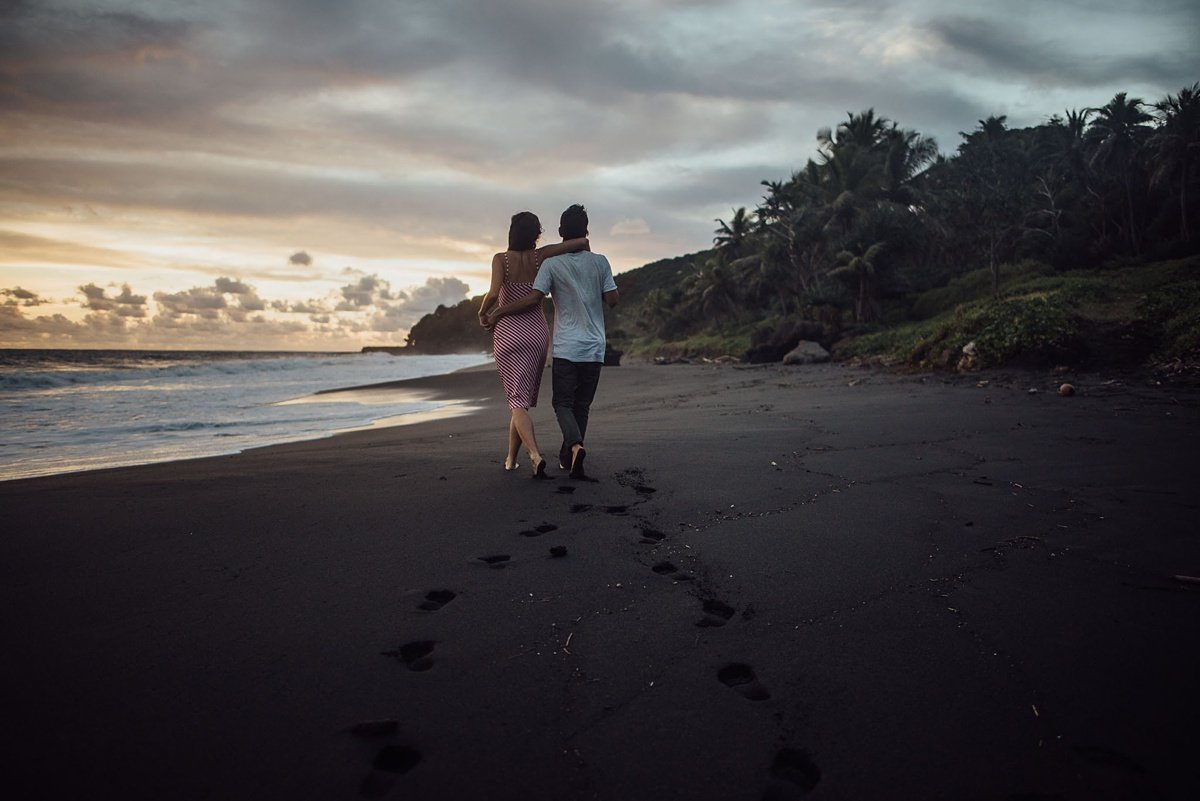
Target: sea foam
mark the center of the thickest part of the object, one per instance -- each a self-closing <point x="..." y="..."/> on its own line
<point x="76" y="410"/>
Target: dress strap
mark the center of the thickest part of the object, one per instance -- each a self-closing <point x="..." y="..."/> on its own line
<point x="506" y="266"/>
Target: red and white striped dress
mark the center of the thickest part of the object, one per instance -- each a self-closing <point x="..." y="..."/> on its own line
<point x="519" y="342"/>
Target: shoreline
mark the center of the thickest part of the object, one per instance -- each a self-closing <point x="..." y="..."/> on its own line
<point x="783" y="582"/>
<point x="377" y="393"/>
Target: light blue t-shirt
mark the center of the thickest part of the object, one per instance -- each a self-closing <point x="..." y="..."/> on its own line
<point x="577" y="282"/>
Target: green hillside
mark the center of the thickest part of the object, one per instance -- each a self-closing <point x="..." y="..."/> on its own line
<point x="1073" y="241"/>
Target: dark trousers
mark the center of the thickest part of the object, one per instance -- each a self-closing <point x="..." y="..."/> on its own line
<point x="574" y="388"/>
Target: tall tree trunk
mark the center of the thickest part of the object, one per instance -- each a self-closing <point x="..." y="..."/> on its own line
<point x="797" y="261"/>
<point x="1183" y="215"/>
<point x="1133" y="238"/>
<point x="995" y="266"/>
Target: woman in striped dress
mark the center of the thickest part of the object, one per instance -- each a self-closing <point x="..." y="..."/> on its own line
<point x="519" y="341"/>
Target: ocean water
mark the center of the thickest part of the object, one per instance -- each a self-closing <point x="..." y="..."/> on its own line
<point x="64" y="410"/>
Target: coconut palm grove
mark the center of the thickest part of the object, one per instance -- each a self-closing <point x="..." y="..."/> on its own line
<point x="1072" y="242"/>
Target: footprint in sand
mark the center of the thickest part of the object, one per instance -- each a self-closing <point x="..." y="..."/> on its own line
<point x="558" y="551"/>
<point x="414" y="654"/>
<point x="580" y="507"/>
<point x="652" y="537"/>
<point x="634" y="477"/>
<point x="796" y="772"/>
<point x="436" y="599"/>
<point x="565" y="490"/>
<point x="668" y="569"/>
<point x="741" y="677"/>
<point x="417" y="655"/>
<point x="389" y="764"/>
<point x="540" y="530"/>
<point x="716" y="614"/>
<point x="397" y="759"/>
<point x="496" y="561"/>
<point x="616" y="510"/>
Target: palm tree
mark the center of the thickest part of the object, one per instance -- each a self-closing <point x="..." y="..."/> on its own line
<point x="994" y="181"/>
<point x="1068" y="154"/>
<point x="990" y="131"/>
<point x="1176" y="146"/>
<point x="790" y="228"/>
<point x="731" y="237"/>
<point x="853" y="179"/>
<point x="709" y="290"/>
<point x="718" y="297"/>
<point x="863" y="131"/>
<point x="862" y="267"/>
<point x="1117" y="135"/>
<point x="908" y="153"/>
<point x="1063" y="187"/>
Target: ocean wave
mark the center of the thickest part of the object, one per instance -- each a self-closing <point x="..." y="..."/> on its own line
<point x="57" y="372"/>
<point x="73" y="410"/>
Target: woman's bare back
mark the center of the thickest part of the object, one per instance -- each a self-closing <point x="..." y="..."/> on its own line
<point x="520" y="266"/>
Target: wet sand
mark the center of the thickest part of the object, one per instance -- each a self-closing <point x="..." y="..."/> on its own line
<point x="816" y="582"/>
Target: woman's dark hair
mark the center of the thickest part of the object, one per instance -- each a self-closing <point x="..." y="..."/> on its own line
<point x="524" y="231"/>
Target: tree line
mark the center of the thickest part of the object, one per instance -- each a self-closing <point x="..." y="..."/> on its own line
<point x="879" y="214"/>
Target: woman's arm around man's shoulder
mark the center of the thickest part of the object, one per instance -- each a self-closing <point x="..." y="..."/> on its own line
<point x="566" y="246"/>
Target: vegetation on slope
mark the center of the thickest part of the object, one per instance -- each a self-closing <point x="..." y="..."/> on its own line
<point x="880" y="231"/>
<point x="1087" y="318"/>
<point x="1069" y="240"/>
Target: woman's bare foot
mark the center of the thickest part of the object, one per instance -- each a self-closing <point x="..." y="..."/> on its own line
<point x="511" y="463"/>
<point x="539" y="465"/>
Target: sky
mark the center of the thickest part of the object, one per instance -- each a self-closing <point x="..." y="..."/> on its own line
<point x="318" y="174"/>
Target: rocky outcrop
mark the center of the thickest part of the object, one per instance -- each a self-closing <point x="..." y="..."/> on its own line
<point x="771" y="345"/>
<point x="806" y="352"/>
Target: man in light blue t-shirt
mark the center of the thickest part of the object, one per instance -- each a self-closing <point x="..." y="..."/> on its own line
<point x="581" y="284"/>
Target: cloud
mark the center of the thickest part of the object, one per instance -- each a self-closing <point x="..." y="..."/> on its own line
<point x="417" y="302"/>
<point x="203" y="302"/>
<point x="20" y="248"/>
<point x="23" y="297"/>
<point x="231" y="286"/>
<point x="630" y="227"/>
<point x="230" y="313"/>
<point x="314" y="307"/>
<point x="184" y="138"/>
<point x="227" y="298"/>
<point x="44" y="330"/>
<point x="125" y="304"/>
<point x="369" y="290"/>
<point x="1005" y="48"/>
<point x="390" y="310"/>
<point x="437" y="292"/>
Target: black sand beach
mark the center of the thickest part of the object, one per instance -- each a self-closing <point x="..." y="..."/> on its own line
<point x="812" y="582"/>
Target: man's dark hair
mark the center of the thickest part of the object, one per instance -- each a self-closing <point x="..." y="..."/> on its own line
<point x="524" y="231"/>
<point x="573" y="223"/>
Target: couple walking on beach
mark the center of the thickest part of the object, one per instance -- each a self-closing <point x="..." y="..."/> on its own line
<point x="581" y="284"/>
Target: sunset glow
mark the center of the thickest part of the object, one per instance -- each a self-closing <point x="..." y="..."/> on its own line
<point x="319" y="176"/>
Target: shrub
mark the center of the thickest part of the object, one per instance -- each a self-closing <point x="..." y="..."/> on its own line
<point x="1028" y="326"/>
<point x="975" y="285"/>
